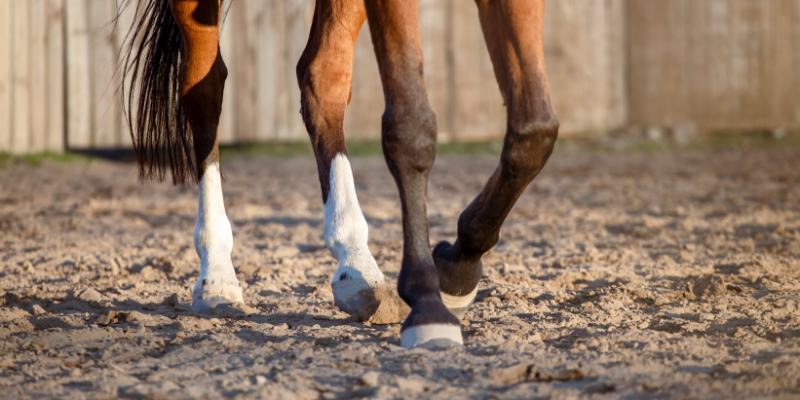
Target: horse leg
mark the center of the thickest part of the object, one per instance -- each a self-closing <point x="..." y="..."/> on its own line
<point x="513" y="33"/>
<point x="325" y="74"/>
<point x="409" y="145"/>
<point x="201" y="79"/>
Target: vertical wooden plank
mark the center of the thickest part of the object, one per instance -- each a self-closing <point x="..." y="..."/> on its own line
<point x="266" y="54"/>
<point x="794" y="15"/>
<point x="126" y="19"/>
<point x="434" y="23"/>
<point x="696" y="61"/>
<point x="226" y="132"/>
<point x="244" y="53"/>
<point x="21" y="77"/>
<point x="106" y="110"/>
<point x="584" y="54"/>
<point x="6" y="94"/>
<point x="617" y="96"/>
<point x="282" y="87"/>
<point x="475" y="98"/>
<point x="296" y="14"/>
<point x="79" y="98"/>
<point x="38" y="78"/>
<point x="55" y="76"/>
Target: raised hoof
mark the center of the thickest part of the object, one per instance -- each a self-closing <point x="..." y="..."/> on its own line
<point x="214" y="296"/>
<point x="458" y="277"/>
<point x="431" y="336"/>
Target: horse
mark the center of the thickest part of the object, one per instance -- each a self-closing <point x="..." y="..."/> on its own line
<point x="177" y="77"/>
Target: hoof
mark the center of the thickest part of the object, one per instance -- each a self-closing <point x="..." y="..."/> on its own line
<point x="458" y="276"/>
<point x="355" y="297"/>
<point x="430" y="325"/>
<point x="431" y="336"/>
<point x="214" y="296"/>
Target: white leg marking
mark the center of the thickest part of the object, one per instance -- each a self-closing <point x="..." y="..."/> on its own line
<point x="213" y="241"/>
<point x="432" y="335"/>
<point x="459" y="305"/>
<point x="346" y="234"/>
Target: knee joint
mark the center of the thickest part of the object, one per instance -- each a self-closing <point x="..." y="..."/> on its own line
<point x="409" y="138"/>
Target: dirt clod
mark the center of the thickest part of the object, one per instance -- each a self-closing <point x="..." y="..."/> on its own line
<point x="710" y="286"/>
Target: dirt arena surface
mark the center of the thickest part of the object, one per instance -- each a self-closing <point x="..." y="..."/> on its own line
<point x="647" y="275"/>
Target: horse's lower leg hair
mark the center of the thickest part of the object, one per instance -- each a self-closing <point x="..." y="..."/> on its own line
<point x="213" y="241"/>
<point x="409" y="145"/>
<point x="513" y="33"/>
<point x="202" y="78"/>
<point x="324" y="74"/>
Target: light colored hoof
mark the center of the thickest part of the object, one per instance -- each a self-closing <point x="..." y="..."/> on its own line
<point x="214" y="296"/>
<point x="431" y="336"/>
<point x="459" y="305"/>
<point x="354" y="296"/>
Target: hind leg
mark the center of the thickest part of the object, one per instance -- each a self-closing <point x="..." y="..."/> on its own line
<point x="325" y="74"/>
<point x="513" y="33"/>
<point x="202" y="79"/>
<point x="409" y="145"/>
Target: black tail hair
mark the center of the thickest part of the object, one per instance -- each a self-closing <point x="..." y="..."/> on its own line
<point x="149" y="63"/>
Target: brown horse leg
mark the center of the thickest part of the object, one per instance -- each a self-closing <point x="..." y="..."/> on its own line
<point x="409" y="145"/>
<point x="325" y="74"/>
<point x="513" y="33"/>
<point x="202" y="78"/>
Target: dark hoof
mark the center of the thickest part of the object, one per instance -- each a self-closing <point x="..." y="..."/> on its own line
<point x="458" y="276"/>
<point x="430" y="325"/>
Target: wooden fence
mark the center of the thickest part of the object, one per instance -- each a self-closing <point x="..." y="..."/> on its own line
<point x="715" y="63"/>
<point x="31" y="75"/>
<point x="724" y="64"/>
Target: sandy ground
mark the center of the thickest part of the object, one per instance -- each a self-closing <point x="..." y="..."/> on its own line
<point x="649" y="275"/>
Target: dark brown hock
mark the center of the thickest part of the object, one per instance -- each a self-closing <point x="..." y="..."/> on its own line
<point x="524" y="154"/>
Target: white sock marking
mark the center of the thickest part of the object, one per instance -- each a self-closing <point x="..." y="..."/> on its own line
<point x="418" y="335"/>
<point x="346" y="231"/>
<point x="454" y="302"/>
<point x="213" y="238"/>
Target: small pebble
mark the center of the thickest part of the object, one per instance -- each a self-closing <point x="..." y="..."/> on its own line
<point x="370" y="378"/>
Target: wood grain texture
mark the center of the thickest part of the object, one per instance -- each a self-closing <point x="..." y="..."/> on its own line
<point x="38" y="76"/>
<point x="5" y="75"/>
<point x="106" y="111"/>
<point x="20" y="86"/>
<point x="78" y="68"/>
<point x="126" y="18"/>
<point x="719" y="64"/>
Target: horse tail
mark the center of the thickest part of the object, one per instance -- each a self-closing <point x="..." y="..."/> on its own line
<point x="149" y="64"/>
